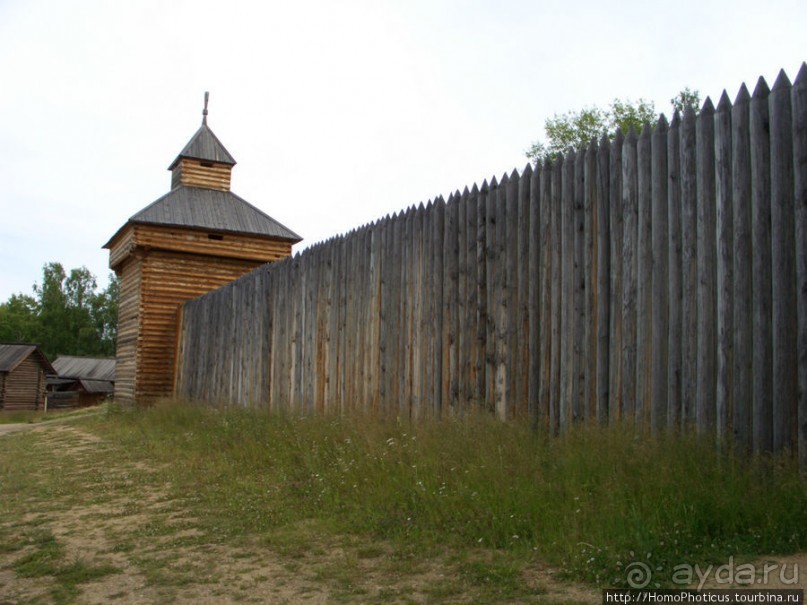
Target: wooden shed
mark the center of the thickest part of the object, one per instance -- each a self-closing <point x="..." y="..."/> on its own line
<point x="197" y="237"/>
<point x="81" y="381"/>
<point x="23" y="377"/>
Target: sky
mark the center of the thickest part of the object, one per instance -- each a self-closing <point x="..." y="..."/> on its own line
<point x="338" y="112"/>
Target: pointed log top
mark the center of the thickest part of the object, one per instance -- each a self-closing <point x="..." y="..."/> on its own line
<point x="689" y="113"/>
<point x="421" y="207"/>
<point x="484" y="188"/>
<point x="761" y="90"/>
<point x="782" y="82"/>
<point x="570" y="155"/>
<point x="604" y="140"/>
<point x="676" y="119"/>
<point x="801" y="77"/>
<point x="645" y="131"/>
<point x="618" y="137"/>
<point x="493" y="183"/>
<point x="474" y="190"/>
<point x="457" y="192"/>
<point x="708" y="106"/>
<point x="527" y="170"/>
<point x="514" y="175"/>
<point x="724" y="104"/>
<point x="631" y="136"/>
<point x="505" y="180"/>
<point x="662" y="125"/>
<point x="743" y="96"/>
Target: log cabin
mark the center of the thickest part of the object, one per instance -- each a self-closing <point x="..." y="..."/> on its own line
<point x="23" y="375"/>
<point x="192" y="240"/>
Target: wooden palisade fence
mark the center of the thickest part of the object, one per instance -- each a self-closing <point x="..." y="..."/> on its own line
<point x="658" y="277"/>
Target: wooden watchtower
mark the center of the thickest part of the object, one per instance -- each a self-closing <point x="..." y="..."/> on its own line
<point x="192" y="240"/>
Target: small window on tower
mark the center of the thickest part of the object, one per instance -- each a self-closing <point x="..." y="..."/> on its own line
<point x="215" y="236"/>
<point x="207" y="164"/>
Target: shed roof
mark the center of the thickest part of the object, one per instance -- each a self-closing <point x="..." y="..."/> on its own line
<point x="85" y="368"/>
<point x="211" y="209"/>
<point x="204" y="145"/>
<point x="97" y="386"/>
<point x="12" y="355"/>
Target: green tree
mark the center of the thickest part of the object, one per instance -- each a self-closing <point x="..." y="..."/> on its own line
<point x="578" y="129"/>
<point x="66" y="315"/>
<point x="18" y="319"/>
<point x="686" y="98"/>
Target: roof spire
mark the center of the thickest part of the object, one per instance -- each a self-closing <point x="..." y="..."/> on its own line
<point x="204" y="111"/>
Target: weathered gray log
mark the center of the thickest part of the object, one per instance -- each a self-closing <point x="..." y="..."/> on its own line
<point x="470" y="331"/>
<point x="537" y="253"/>
<point x="616" y="281"/>
<point x="644" y="279"/>
<point x="567" y="292"/>
<point x="630" y="235"/>
<point x="799" y="106"/>
<point x="707" y="255"/>
<point x="590" y="271"/>
<point x="463" y="303"/>
<point x="783" y="275"/>
<point x="439" y="307"/>
<point x="743" y="346"/>
<point x="724" y="399"/>
<point x="554" y="189"/>
<point x="675" y="332"/>
<point x="511" y="328"/>
<point x="520" y="343"/>
<point x="578" y="292"/>
<point x="660" y="298"/>
<point x="501" y="301"/>
<point x="761" y="261"/>
<point x="689" y="264"/>
<point x="481" y="353"/>
<point x="451" y="305"/>
<point x="602" y="229"/>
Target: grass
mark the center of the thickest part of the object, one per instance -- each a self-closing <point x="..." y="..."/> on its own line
<point x="592" y="502"/>
<point x="473" y="504"/>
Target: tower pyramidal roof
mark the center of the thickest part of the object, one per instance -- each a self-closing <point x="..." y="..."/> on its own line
<point x="200" y="196"/>
<point x="204" y="145"/>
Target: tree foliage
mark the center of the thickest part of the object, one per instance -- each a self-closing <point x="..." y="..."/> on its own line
<point x="67" y="314"/>
<point x="576" y="129"/>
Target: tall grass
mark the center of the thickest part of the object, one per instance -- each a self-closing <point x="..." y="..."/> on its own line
<point x="592" y="501"/>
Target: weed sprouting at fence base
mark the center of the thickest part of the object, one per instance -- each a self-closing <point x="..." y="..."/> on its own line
<point x="590" y="501"/>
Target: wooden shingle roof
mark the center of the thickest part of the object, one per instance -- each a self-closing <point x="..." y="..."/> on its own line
<point x="12" y="355"/>
<point x="210" y="209"/>
<point x="204" y="145"/>
<point x="91" y="368"/>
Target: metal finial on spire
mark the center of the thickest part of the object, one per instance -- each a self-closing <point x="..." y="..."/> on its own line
<point x="204" y="111"/>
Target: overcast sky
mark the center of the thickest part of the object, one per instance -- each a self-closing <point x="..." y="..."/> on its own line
<point x="337" y="112"/>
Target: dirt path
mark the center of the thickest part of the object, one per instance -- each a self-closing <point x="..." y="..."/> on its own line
<point x="6" y="429"/>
